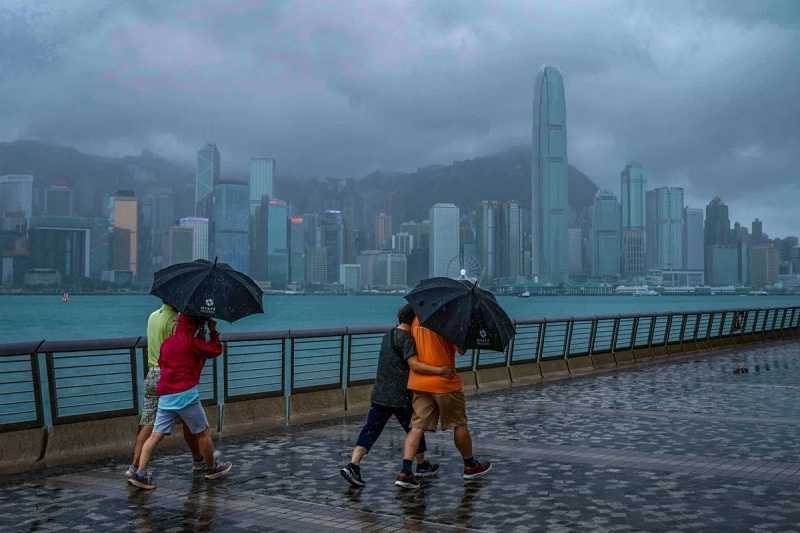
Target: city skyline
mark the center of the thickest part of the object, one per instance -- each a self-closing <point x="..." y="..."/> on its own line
<point x="334" y="89"/>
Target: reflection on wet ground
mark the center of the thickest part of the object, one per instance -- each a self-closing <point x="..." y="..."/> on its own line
<point x="682" y="446"/>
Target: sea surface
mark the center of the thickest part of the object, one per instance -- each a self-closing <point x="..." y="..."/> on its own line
<point x="38" y="317"/>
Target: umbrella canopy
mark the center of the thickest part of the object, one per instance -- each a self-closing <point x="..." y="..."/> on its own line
<point x="462" y="312"/>
<point x="213" y="290"/>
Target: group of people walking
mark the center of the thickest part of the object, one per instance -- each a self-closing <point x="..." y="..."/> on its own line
<point x="416" y="383"/>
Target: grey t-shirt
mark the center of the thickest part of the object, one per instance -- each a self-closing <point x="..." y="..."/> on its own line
<point x="391" y="380"/>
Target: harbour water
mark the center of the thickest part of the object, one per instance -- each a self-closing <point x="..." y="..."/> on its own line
<point x="37" y="317"/>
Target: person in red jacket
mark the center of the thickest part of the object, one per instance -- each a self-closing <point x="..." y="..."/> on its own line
<point x="182" y="359"/>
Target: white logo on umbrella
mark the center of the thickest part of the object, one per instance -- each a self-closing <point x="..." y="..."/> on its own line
<point x="209" y="308"/>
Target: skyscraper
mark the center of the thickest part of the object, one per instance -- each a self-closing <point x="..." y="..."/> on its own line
<point x="277" y="245"/>
<point x="510" y="245"/>
<point x="605" y="239"/>
<point x="487" y="238"/>
<point x="718" y="234"/>
<point x="693" y="246"/>
<point x="765" y="260"/>
<point x="445" y="243"/>
<point x="262" y="176"/>
<point x="125" y="222"/>
<point x="549" y="175"/>
<point x="16" y="195"/>
<point x="575" y="252"/>
<point x="632" y="186"/>
<point x="206" y="177"/>
<point x="331" y="237"/>
<point x="403" y="243"/>
<point x="757" y="231"/>
<point x="664" y="225"/>
<point x="383" y="231"/>
<point x="230" y="241"/>
<point x="199" y="227"/>
<point x="297" y="249"/>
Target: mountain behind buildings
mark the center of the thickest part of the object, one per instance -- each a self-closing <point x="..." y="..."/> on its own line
<point x="405" y="195"/>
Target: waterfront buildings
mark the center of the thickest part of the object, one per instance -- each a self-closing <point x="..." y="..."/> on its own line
<point x="316" y="266"/>
<point x="403" y="242"/>
<point x="63" y="244"/>
<point x="605" y="238"/>
<point x="717" y="238"/>
<point x="262" y="175"/>
<point x="757" y="233"/>
<point x="549" y="174"/>
<point x="16" y="195"/>
<point x="510" y="245"/>
<point x="178" y="245"/>
<point x="124" y="211"/>
<point x="487" y="239"/>
<point x="331" y="237"/>
<point x="350" y="277"/>
<point x="664" y="228"/>
<point x="632" y="200"/>
<point x="206" y="177"/>
<point x="765" y="262"/>
<point x="445" y="241"/>
<point x="199" y="227"/>
<point x="297" y="249"/>
<point x="575" y="252"/>
<point x="383" y="231"/>
<point x="693" y="246"/>
<point x="230" y="221"/>
<point x="277" y="243"/>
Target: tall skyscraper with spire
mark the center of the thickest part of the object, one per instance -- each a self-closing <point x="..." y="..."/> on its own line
<point x="549" y="174"/>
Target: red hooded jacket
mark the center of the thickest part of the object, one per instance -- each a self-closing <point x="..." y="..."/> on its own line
<point x="183" y="356"/>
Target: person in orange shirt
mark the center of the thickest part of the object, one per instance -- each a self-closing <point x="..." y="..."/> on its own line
<point x="438" y="398"/>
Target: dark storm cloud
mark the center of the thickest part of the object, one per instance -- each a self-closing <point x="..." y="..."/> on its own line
<point x="704" y="94"/>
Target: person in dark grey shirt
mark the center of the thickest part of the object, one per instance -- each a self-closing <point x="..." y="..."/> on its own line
<point x="390" y="397"/>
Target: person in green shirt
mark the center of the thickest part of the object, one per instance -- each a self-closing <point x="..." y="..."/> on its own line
<point x="160" y="326"/>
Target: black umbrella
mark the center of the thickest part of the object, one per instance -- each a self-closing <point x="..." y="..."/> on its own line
<point x="462" y="312"/>
<point x="207" y="289"/>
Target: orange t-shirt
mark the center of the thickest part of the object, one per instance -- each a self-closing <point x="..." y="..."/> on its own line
<point x="433" y="349"/>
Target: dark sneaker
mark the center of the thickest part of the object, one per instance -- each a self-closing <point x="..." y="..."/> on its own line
<point x="144" y="482"/>
<point x="218" y="470"/>
<point x="353" y="475"/>
<point x="407" y="481"/>
<point x="130" y="471"/>
<point x="477" y="470"/>
<point x="427" y="469"/>
<point x="198" y="465"/>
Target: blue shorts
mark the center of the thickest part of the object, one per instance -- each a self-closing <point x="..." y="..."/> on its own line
<point x="193" y="416"/>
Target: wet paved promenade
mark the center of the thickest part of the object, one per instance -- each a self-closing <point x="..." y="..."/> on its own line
<point x="683" y="446"/>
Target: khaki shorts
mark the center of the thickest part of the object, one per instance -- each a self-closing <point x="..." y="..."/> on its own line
<point x="150" y="404"/>
<point x="449" y="408"/>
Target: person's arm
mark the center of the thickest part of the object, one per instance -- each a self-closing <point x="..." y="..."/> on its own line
<point x="208" y="348"/>
<point x="424" y="368"/>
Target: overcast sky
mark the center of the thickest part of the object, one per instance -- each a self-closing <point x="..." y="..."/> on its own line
<point x="706" y="95"/>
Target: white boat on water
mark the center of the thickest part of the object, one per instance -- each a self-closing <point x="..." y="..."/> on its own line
<point x="526" y="294"/>
<point x="635" y="290"/>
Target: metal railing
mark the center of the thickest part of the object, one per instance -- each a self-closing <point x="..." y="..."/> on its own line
<point x="47" y="383"/>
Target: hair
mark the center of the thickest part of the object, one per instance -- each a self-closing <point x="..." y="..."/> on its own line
<point x="406" y="314"/>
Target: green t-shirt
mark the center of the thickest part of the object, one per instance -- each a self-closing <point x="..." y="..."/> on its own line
<point x="160" y="326"/>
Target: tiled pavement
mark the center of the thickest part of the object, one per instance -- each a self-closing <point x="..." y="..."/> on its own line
<point x="681" y="446"/>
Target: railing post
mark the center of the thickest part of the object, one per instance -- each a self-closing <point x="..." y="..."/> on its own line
<point x="651" y="333"/>
<point x="43" y="400"/>
<point x="667" y="333"/>
<point x="510" y="347"/>
<point x="684" y="316"/>
<point x="221" y="384"/>
<point x="614" y="335"/>
<point x="540" y="341"/>
<point x="634" y="333"/>
<point x="344" y="359"/>
<point x="592" y="336"/>
<point x="568" y="338"/>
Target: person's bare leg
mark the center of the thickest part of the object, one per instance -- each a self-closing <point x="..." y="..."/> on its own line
<point x="147" y="449"/>
<point x="141" y="438"/>
<point x="358" y="454"/>
<point x="206" y="446"/>
<point x="191" y="441"/>
<point x="412" y="443"/>
<point x="463" y="441"/>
